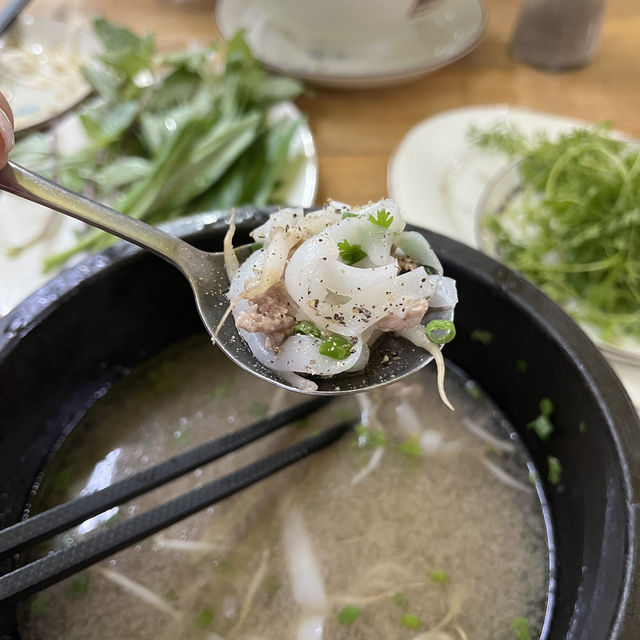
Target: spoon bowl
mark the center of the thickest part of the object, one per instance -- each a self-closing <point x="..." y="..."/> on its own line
<point x="391" y="358"/>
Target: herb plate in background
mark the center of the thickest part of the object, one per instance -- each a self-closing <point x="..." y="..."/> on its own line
<point x="442" y="190"/>
<point x="49" y="233"/>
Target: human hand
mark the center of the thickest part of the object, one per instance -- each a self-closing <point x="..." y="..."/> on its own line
<point x="6" y="130"/>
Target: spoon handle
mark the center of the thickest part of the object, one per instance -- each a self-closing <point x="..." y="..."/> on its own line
<point x="25" y="184"/>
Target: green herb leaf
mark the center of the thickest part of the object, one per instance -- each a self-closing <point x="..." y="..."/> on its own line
<point x="521" y="628"/>
<point x="204" y="619"/>
<point x="350" y="254"/>
<point x="411" y="621"/>
<point x="348" y="615"/>
<point x="554" y="474"/>
<point x="572" y="228"/>
<point x="80" y="584"/>
<point x="336" y="347"/>
<point x="348" y="214"/>
<point x="256" y="246"/>
<point x="307" y="328"/>
<point x="382" y="219"/>
<point x="440" y="331"/>
<point x="438" y="575"/>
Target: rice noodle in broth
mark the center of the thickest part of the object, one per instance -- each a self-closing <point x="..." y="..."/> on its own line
<point x="405" y="528"/>
<point x="320" y="288"/>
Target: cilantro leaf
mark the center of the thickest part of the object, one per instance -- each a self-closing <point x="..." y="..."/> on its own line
<point x="350" y="253"/>
<point x="382" y="219"/>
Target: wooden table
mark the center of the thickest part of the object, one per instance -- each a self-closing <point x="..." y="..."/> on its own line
<point x="356" y="131"/>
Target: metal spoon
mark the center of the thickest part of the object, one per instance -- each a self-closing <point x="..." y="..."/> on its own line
<point x="391" y="358"/>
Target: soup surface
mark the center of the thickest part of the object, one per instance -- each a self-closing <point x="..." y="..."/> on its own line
<point x="421" y="524"/>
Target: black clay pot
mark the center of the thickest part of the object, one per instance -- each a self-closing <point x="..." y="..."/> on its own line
<point x="91" y="324"/>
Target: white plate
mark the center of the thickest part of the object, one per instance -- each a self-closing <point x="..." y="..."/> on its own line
<point x="53" y="82"/>
<point x="20" y="220"/>
<point x="437" y="178"/>
<point x="437" y="37"/>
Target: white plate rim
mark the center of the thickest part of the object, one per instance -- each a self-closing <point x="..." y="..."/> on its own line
<point x="91" y="44"/>
<point x="360" y="80"/>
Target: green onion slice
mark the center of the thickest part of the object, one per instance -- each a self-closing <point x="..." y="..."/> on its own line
<point x="440" y="331"/>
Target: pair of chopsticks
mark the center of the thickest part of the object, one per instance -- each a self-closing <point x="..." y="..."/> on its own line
<point x="62" y="563"/>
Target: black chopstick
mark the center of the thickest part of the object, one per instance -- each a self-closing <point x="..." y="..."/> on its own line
<point x="62" y="563"/>
<point x="48" y="523"/>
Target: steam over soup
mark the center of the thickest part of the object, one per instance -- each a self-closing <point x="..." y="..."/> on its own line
<point x="421" y="524"/>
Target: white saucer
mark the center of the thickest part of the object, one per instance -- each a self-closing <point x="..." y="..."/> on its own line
<point x="20" y="220"/>
<point x="54" y="82"/>
<point x="439" y="36"/>
<point x="437" y="178"/>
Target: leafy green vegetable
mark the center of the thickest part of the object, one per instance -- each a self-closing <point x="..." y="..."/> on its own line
<point x="350" y="253"/>
<point x="440" y="331"/>
<point x="348" y="615"/>
<point x="438" y="575"/>
<point x="307" y="328"/>
<point x="80" y="584"/>
<point x="521" y="628"/>
<point x="204" y="619"/>
<point x="542" y="424"/>
<point x="554" y="474"/>
<point x="574" y="229"/>
<point x="336" y="346"/>
<point x="173" y="134"/>
<point x="411" y="621"/>
<point x="382" y="219"/>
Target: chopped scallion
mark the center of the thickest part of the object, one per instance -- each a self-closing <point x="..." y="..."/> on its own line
<point x="80" y="584"/>
<point x="256" y="246"/>
<point x="336" y="347"/>
<point x="348" y="615"/>
<point x="204" y="619"/>
<point x="438" y="575"/>
<point x="400" y="600"/>
<point x="521" y="627"/>
<point x="554" y="474"/>
<point x="440" y="331"/>
<point x="482" y="335"/>
<point x="410" y="447"/>
<point x="307" y="328"/>
<point x="411" y="621"/>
